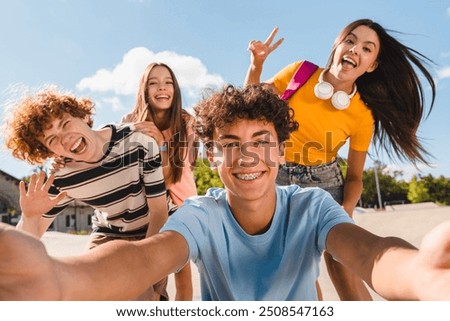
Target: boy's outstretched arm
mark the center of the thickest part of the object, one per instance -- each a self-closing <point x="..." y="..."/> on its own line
<point x="394" y="268"/>
<point x="116" y="270"/>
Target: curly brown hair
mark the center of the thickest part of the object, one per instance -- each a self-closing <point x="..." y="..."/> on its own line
<point x="255" y="102"/>
<point x="33" y="114"/>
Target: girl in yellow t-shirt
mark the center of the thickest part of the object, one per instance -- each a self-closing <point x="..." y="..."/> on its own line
<point x="368" y="87"/>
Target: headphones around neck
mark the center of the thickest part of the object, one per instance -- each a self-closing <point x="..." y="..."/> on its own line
<point x="339" y="99"/>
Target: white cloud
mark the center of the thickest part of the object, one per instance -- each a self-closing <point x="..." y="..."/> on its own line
<point x="448" y="11"/>
<point x="444" y="73"/>
<point x="114" y="103"/>
<point x="123" y="78"/>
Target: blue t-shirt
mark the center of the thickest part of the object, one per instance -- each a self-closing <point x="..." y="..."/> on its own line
<point x="280" y="264"/>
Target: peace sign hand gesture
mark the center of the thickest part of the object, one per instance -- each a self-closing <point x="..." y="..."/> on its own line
<point x="261" y="50"/>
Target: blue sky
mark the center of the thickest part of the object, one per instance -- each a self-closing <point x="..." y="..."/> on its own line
<point x="99" y="49"/>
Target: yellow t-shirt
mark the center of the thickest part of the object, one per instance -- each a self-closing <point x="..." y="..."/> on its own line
<point x="323" y="129"/>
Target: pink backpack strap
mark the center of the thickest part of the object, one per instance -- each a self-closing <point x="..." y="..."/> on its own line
<point x="304" y="71"/>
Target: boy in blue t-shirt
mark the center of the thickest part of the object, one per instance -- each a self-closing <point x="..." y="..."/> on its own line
<point x="251" y="240"/>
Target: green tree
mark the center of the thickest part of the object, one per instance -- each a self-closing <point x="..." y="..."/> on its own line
<point x="429" y="189"/>
<point x="343" y="165"/>
<point x="205" y="177"/>
<point x="417" y="192"/>
<point x="440" y="190"/>
<point x="391" y="189"/>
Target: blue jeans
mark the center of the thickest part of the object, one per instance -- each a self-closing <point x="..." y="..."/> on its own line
<point x="326" y="176"/>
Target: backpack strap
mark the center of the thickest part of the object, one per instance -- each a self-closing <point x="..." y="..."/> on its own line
<point x="304" y="71"/>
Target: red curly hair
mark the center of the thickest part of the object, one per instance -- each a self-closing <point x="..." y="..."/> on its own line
<point x="33" y="114"/>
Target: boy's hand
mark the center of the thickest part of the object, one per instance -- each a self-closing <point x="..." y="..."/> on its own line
<point x="434" y="259"/>
<point x="35" y="200"/>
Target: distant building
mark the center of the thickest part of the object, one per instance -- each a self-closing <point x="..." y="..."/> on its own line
<point x="9" y="198"/>
<point x="75" y="218"/>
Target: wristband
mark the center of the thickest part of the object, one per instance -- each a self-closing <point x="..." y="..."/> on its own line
<point x="163" y="148"/>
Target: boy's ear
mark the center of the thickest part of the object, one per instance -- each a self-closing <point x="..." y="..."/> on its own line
<point x="281" y="154"/>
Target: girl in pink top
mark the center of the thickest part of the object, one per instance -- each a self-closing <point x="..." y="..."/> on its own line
<point x="158" y="112"/>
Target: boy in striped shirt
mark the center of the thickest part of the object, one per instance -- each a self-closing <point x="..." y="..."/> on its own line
<point x="114" y="169"/>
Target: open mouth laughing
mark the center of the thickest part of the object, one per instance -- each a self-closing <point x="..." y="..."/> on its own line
<point x="348" y="61"/>
<point x="162" y="97"/>
<point x="79" y="146"/>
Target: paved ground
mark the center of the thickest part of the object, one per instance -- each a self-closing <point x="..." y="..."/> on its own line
<point x="410" y="222"/>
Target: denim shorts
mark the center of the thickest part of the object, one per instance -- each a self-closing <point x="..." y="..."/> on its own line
<point x="326" y="176"/>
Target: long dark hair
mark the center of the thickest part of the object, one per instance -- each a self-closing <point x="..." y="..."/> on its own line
<point x="179" y="120"/>
<point x="394" y="94"/>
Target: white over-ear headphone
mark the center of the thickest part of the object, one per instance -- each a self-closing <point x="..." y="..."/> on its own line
<point x="339" y="99"/>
